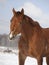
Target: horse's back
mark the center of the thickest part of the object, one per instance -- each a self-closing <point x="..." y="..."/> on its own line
<point x="46" y="32"/>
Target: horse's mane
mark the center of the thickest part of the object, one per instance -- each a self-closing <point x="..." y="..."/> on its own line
<point x="31" y="21"/>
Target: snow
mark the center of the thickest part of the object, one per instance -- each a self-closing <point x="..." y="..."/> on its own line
<point x="33" y="61"/>
<point x="8" y="59"/>
<point x="8" y="50"/>
<point x="12" y="59"/>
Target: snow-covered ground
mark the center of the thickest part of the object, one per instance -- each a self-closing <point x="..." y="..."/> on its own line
<point x="8" y="50"/>
<point x="12" y="59"/>
<point x="8" y="59"/>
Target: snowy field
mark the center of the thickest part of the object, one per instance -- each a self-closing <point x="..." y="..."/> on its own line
<point x="12" y="59"/>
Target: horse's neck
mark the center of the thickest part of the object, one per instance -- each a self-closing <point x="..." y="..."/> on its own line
<point x="28" y="29"/>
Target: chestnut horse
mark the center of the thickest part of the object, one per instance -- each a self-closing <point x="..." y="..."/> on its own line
<point x="34" y="40"/>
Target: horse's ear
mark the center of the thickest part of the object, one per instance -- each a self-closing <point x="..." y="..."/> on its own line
<point x="22" y="11"/>
<point x="14" y="12"/>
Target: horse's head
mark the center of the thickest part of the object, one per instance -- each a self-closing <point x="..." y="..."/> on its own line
<point x="15" y="23"/>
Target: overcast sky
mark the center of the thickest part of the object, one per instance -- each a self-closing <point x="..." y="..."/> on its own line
<point x="36" y="9"/>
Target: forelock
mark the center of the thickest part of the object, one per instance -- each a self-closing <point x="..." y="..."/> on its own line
<point x="18" y="13"/>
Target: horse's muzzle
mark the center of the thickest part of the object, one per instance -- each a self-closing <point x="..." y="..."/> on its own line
<point x="11" y="36"/>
